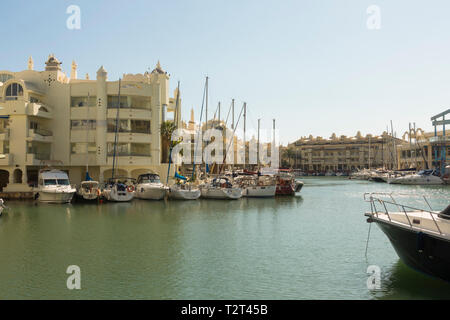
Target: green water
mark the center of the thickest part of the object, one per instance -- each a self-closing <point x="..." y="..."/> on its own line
<point x="306" y="247"/>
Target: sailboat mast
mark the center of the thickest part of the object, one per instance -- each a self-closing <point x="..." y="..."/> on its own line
<point x="115" y="133"/>
<point x="257" y="146"/>
<point x="206" y="118"/>
<point x="245" y="127"/>
<point x="87" y="136"/>
<point x="170" y="142"/>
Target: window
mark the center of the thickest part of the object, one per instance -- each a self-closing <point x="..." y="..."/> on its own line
<point x="63" y="182"/>
<point x="50" y="182"/>
<point x="13" y="91"/>
<point x="83" y="101"/>
<point x="5" y="77"/>
<point x="80" y="147"/>
<point x="83" y="124"/>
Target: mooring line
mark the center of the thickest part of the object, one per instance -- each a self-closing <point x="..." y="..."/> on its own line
<point x="368" y="236"/>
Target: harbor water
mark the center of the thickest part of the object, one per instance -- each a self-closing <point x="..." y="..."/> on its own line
<point x="311" y="246"/>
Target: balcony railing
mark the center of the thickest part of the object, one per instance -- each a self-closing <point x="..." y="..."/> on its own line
<point x="127" y="130"/>
<point x="129" y="154"/>
<point x="40" y="156"/>
<point x="43" y="132"/>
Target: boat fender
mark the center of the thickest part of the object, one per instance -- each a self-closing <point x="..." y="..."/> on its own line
<point x="130" y="188"/>
<point x="98" y="192"/>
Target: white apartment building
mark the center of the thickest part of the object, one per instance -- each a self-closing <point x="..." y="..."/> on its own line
<point x="49" y="117"/>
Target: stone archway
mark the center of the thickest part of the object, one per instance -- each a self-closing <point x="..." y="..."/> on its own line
<point x="136" y="172"/>
<point x="4" y="179"/>
<point x="107" y="174"/>
<point x="17" y="176"/>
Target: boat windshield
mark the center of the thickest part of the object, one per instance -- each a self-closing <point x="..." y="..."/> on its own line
<point x="63" y="182"/>
<point x="149" y="179"/>
<point x="50" y="182"/>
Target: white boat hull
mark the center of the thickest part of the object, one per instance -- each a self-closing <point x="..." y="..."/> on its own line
<point x="55" y="197"/>
<point x="221" y="193"/>
<point x="259" y="191"/>
<point x="187" y="194"/>
<point x="118" y="196"/>
<point x="416" y="180"/>
<point x="151" y="193"/>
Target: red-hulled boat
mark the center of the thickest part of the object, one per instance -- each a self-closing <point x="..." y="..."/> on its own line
<point x="286" y="183"/>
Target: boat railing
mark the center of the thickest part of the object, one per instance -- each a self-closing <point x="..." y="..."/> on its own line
<point x="376" y="197"/>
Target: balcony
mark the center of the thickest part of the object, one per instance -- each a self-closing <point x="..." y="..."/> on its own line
<point x="4" y="134"/>
<point x="39" y="110"/>
<point x="129" y="137"/>
<point x="8" y="160"/>
<point x="36" y="158"/>
<point x="129" y="113"/>
<point x="39" y="134"/>
<point x="130" y="158"/>
<point x="439" y="139"/>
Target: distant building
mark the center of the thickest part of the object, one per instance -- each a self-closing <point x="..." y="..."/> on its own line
<point x="46" y="115"/>
<point x="341" y="153"/>
<point x="423" y="150"/>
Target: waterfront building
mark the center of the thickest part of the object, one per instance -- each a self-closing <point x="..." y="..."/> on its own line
<point x="49" y="116"/>
<point x="341" y="153"/>
<point x="423" y="150"/>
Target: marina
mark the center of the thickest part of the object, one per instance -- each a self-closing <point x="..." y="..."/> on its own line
<point x="206" y="152"/>
<point x="303" y="247"/>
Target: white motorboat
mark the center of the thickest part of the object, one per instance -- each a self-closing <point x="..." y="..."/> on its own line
<point x="150" y="187"/>
<point x="89" y="190"/>
<point x="424" y="177"/>
<point x="184" y="192"/>
<point x="420" y="236"/>
<point x="54" y="187"/>
<point x="119" y="189"/>
<point x="257" y="186"/>
<point x="220" y="188"/>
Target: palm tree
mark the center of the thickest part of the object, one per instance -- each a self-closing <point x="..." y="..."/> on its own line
<point x="166" y="130"/>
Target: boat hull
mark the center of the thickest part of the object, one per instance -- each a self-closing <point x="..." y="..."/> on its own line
<point x="420" y="251"/>
<point x="121" y="196"/>
<point x="151" y="193"/>
<point x="427" y="180"/>
<point x="221" y="193"/>
<point x="259" y="191"/>
<point x="184" y="194"/>
<point x="55" y="197"/>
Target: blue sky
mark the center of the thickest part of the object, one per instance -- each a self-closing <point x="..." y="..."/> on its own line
<point x="312" y="65"/>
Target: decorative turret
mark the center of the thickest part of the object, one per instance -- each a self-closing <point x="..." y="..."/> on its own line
<point x="53" y="64"/>
<point x="101" y="73"/>
<point x="191" y="125"/>
<point x="73" y="71"/>
<point x="30" y="63"/>
<point x="158" y="69"/>
<point x="87" y="76"/>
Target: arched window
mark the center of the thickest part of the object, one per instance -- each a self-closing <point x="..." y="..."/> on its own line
<point x="13" y="91"/>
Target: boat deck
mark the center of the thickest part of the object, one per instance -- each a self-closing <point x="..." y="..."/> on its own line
<point x="407" y="217"/>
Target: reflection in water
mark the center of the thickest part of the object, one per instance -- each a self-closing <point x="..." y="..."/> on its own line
<point x="401" y="282"/>
<point x="305" y="247"/>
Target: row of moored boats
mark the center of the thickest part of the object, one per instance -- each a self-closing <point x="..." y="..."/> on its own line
<point x="54" y="187"/>
<point x="410" y="177"/>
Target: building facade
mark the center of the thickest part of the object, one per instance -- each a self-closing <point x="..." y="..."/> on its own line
<point x="316" y="154"/>
<point x="49" y="117"/>
<point x="423" y="150"/>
